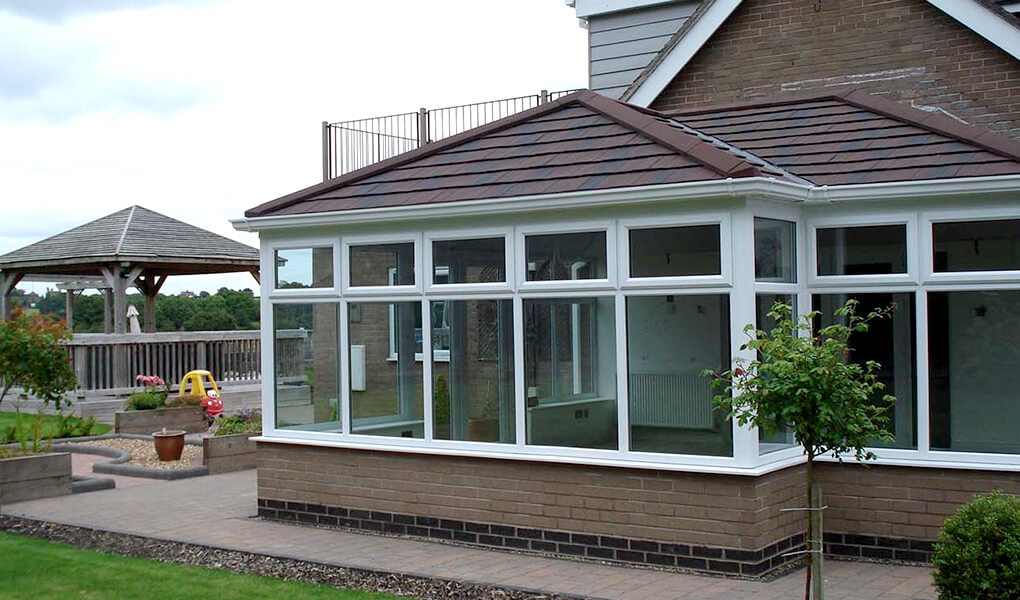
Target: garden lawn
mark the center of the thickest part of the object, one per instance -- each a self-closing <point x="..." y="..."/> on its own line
<point x="34" y="569"/>
<point x="8" y="419"/>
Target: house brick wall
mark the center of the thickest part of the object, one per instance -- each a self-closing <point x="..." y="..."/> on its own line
<point x="722" y="523"/>
<point x="906" y="50"/>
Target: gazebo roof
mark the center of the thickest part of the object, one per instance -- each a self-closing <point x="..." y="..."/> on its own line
<point x="138" y="236"/>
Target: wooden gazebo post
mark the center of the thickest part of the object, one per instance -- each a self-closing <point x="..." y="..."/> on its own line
<point x="8" y="279"/>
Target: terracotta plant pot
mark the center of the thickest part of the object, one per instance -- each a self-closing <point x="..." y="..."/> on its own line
<point x="169" y="444"/>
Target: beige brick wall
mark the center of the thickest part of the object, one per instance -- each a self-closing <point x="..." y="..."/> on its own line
<point x="902" y="502"/>
<point x="906" y="50"/>
<point x="713" y="510"/>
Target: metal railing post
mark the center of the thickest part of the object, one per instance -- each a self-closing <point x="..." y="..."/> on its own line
<point x="423" y="127"/>
<point x="543" y="97"/>
<point x="325" y="151"/>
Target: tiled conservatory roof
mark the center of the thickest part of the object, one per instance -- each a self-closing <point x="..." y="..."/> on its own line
<point x="585" y="141"/>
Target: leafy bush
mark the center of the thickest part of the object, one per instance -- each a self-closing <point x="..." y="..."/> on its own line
<point x="72" y="426"/>
<point x="247" y="421"/>
<point x="145" y="401"/>
<point x="33" y="357"/>
<point x="29" y="436"/>
<point x="977" y="556"/>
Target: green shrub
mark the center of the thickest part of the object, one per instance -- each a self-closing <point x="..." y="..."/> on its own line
<point x="72" y="426"/>
<point x="244" y="422"/>
<point x="145" y="401"/>
<point x="977" y="556"/>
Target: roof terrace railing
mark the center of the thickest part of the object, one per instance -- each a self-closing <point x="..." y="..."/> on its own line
<point x="351" y="145"/>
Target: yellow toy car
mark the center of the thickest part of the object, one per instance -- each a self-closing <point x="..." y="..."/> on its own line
<point x="194" y="382"/>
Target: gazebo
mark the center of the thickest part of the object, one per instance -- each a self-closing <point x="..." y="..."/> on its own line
<point x="132" y="247"/>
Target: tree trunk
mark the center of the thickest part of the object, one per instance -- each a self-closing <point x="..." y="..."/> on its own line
<point x="807" y="528"/>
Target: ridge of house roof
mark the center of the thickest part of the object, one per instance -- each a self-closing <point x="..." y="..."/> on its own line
<point x="985" y="17"/>
<point x="641" y="121"/>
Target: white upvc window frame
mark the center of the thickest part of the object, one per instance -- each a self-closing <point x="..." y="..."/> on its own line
<point x="869" y="219"/>
<point x="268" y="265"/>
<point x="360" y="240"/>
<point x="927" y="241"/>
<point x="506" y="233"/>
<point x="723" y="278"/>
<point x="522" y="232"/>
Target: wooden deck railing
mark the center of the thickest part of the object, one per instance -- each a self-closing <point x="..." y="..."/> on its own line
<point x="107" y="364"/>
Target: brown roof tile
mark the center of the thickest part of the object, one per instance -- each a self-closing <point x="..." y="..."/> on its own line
<point x="588" y="142"/>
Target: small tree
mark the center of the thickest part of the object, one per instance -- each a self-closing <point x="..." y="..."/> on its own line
<point x="802" y="380"/>
<point x="34" y="357"/>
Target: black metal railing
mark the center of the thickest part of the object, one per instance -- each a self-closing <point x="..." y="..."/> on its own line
<point x="351" y="145"/>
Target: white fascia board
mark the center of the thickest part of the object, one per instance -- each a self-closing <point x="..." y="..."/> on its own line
<point x="765" y="187"/>
<point x="984" y="22"/>
<point x="590" y="8"/>
<point x="745" y="186"/>
<point x="683" y="52"/>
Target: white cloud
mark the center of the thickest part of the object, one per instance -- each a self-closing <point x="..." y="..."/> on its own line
<point x="202" y="110"/>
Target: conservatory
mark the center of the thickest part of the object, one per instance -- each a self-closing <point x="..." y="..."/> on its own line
<point x="507" y="330"/>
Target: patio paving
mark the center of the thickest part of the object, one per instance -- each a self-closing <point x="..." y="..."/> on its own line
<point x="217" y="511"/>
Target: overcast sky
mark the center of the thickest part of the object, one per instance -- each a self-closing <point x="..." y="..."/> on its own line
<point x="199" y="109"/>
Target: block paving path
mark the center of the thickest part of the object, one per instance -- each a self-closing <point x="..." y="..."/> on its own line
<point x="217" y="511"/>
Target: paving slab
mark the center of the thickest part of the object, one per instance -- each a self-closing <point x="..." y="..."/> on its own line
<point x="219" y="511"/>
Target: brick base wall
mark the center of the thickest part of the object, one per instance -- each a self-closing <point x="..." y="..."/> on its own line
<point x="718" y="523"/>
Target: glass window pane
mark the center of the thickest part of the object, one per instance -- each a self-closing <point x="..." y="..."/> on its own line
<point x="977" y="246"/>
<point x="775" y="250"/>
<point x="891" y="343"/>
<point x="570" y="372"/>
<point x="675" y="251"/>
<point x="305" y="349"/>
<point x="670" y="340"/>
<point x="877" y="250"/>
<point x="972" y="355"/>
<point x="304" y="268"/>
<point x="386" y="389"/>
<point x="469" y="261"/>
<point x="382" y="264"/>
<point x="566" y="256"/>
<point x="473" y="390"/>
<point x="782" y="438"/>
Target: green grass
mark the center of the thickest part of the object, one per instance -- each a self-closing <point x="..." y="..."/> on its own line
<point x="8" y="419"/>
<point x="33" y="569"/>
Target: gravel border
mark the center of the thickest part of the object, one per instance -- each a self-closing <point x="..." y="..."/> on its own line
<point x="117" y="466"/>
<point x="281" y="567"/>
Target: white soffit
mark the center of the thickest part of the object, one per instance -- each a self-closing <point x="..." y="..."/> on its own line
<point x="588" y="8"/>
<point x="980" y="19"/>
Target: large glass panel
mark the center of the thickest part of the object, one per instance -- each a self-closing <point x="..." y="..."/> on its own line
<point x="570" y="372"/>
<point x="977" y="246"/>
<point x="973" y="352"/>
<point x="566" y="256"/>
<point x="763" y="303"/>
<point x="469" y="261"/>
<point x="890" y="342"/>
<point x="382" y="264"/>
<point x="876" y="250"/>
<point x="386" y="389"/>
<point x="306" y="373"/>
<point x="670" y="340"/>
<point x="473" y="389"/>
<point x="675" y="251"/>
<point x="775" y="250"/>
<point x="304" y="268"/>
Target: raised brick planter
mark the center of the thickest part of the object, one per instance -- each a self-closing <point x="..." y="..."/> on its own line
<point x="190" y="419"/>
<point x="222" y="454"/>
<point x="35" y="476"/>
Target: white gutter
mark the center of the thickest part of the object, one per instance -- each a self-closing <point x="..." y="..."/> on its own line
<point x="650" y="193"/>
<point x="747" y="186"/>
